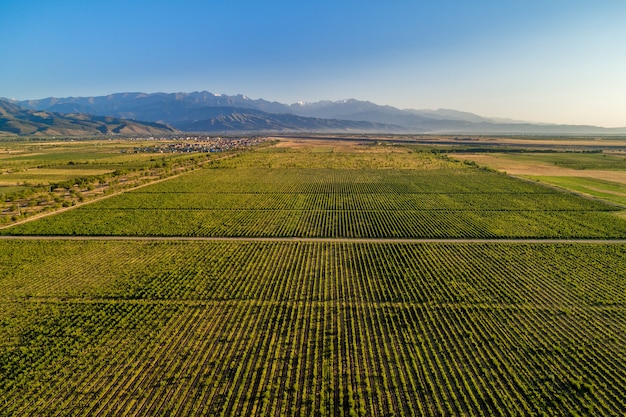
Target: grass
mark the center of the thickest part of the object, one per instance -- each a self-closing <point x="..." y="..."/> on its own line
<point x="605" y="190"/>
<point x="599" y="175"/>
<point x="50" y="175"/>
<point x="575" y="160"/>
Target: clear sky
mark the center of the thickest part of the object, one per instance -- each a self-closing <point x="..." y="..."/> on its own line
<point x="559" y="61"/>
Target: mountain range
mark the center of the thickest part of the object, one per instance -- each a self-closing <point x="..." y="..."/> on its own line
<point x="211" y="113"/>
<point x="17" y="120"/>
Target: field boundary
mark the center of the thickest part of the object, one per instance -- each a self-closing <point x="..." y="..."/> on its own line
<point x="310" y="239"/>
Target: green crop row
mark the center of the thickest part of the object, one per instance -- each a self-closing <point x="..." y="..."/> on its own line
<point x="331" y="223"/>
<point x="478" y="273"/>
<point x="352" y="201"/>
<point x="252" y="328"/>
<point x="444" y="180"/>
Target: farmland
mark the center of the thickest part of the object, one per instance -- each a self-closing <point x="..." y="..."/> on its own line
<point x="327" y="325"/>
<point x="366" y="194"/>
<point x="282" y="328"/>
<point x="43" y="175"/>
<point x="599" y="174"/>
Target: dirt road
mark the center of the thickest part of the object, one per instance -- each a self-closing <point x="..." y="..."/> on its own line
<point x="313" y="239"/>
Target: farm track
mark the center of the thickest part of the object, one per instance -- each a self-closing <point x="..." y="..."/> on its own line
<point x="310" y="303"/>
<point x="314" y="239"/>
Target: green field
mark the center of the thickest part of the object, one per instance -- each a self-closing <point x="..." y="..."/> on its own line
<point x="593" y="174"/>
<point x="189" y="328"/>
<point x="44" y="175"/>
<point x="392" y="195"/>
<point x="601" y="189"/>
<point x="92" y="326"/>
<point x="44" y="162"/>
<point x="575" y="160"/>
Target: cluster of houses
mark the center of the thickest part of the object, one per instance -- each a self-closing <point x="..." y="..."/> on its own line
<point x="197" y="144"/>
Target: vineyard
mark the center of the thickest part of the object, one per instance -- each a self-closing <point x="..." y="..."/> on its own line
<point x="45" y="175"/>
<point x="173" y="327"/>
<point x="397" y="195"/>
<point x="190" y="328"/>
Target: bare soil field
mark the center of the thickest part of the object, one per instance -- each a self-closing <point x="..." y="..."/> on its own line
<point x="609" y="185"/>
<point x="503" y="162"/>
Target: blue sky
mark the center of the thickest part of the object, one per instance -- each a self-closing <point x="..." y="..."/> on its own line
<point x="546" y="61"/>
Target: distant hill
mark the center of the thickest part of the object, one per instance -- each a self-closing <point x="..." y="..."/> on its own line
<point x="231" y="119"/>
<point x="207" y="112"/>
<point x="16" y="120"/>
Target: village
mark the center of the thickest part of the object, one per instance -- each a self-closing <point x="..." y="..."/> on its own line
<point x="195" y="144"/>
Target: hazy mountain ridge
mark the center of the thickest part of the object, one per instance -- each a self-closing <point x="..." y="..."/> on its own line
<point x="205" y="111"/>
<point x="166" y="107"/>
<point x="17" y="120"/>
<point x="250" y="120"/>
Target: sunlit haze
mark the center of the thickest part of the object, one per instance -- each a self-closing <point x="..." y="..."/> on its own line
<point x="544" y="61"/>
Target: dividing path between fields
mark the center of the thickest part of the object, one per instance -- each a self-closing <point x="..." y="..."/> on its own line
<point x="315" y="239"/>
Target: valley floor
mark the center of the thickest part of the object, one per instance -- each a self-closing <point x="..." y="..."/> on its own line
<point x="318" y="279"/>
